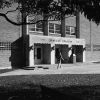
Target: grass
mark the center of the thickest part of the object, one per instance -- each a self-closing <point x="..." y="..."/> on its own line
<point x="49" y="84"/>
<point x="51" y="81"/>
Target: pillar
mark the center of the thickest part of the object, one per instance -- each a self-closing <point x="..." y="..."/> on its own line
<point x="31" y="55"/>
<point x="84" y="51"/>
<point x="45" y="26"/>
<point x="63" y="27"/>
<point x="77" y="24"/>
<point x="52" y="53"/>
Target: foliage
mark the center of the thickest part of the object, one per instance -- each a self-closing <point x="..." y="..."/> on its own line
<point x="58" y="8"/>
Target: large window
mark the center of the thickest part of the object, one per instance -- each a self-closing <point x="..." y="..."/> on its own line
<point x="54" y="28"/>
<point x="36" y="27"/>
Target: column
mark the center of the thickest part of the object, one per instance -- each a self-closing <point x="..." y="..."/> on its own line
<point x="84" y="51"/>
<point x="45" y="26"/>
<point x="77" y="24"/>
<point x="31" y="55"/>
<point x="52" y="53"/>
<point x="63" y="27"/>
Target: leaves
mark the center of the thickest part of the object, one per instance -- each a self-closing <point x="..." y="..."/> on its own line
<point x="58" y="8"/>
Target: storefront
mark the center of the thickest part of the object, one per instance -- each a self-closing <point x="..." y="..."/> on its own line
<point x="44" y="49"/>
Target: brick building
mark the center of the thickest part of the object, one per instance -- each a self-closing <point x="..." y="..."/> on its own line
<point x="41" y="46"/>
<point x="56" y="35"/>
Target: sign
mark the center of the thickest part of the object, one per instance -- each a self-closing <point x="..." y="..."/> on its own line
<point x="55" y="40"/>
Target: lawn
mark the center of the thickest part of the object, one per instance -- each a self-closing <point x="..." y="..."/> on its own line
<point x="54" y="85"/>
<point x="50" y="81"/>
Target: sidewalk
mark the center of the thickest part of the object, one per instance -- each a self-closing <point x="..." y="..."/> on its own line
<point x="78" y="68"/>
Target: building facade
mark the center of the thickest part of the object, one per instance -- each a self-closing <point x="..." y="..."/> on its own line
<point x="42" y="40"/>
<point x="56" y="36"/>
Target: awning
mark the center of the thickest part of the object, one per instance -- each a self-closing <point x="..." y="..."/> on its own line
<point x="55" y="40"/>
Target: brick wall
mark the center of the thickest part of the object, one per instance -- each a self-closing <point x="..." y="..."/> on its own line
<point x="8" y="33"/>
<point x="4" y="58"/>
<point x="91" y="33"/>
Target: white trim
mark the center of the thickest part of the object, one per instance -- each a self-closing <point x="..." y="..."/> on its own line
<point x="35" y="31"/>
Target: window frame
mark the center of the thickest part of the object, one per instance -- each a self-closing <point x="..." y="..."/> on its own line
<point x="5" y="46"/>
<point x="35" y="28"/>
<point x="70" y="30"/>
<point x="54" y="29"/>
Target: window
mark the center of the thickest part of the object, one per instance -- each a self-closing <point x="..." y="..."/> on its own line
<point x="36" y="27"/>
<point x="70" y="30"/>
<point x="51" y="27"/>
<point x="57" y="28"/>
<point x="54" y="28"/>
<point x="5" y="45"/>
<point x="67" y="29"/>
<point x="39" y="27"/>
<point x="32" y="27"/>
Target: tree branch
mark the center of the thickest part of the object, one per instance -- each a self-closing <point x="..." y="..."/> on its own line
<point x="11" y="11"/>
<point x="25" y="23"/>
<point x="21" y="23"/>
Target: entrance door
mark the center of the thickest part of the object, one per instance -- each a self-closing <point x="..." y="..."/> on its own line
<point x="38" y="54"/>
<point x="56" y="51"/>
<point x="79" y="53"/>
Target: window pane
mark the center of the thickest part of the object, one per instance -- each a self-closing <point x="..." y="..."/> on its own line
<point x="57" y="28"/>
<point x="39" y="27"/>
<point x="67" y="29"/>
<point x="32" y="27"/>
<point x="72" y="30"/>
<point x="5" y="46"/>
<point x="51" y="27"/>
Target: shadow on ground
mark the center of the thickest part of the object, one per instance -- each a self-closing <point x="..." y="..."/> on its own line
<point x="45" y="93"/>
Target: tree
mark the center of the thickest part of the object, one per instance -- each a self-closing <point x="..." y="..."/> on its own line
<point x="54" y="8"/>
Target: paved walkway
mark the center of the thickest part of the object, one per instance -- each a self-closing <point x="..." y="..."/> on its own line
<point x="78" y="68"/>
